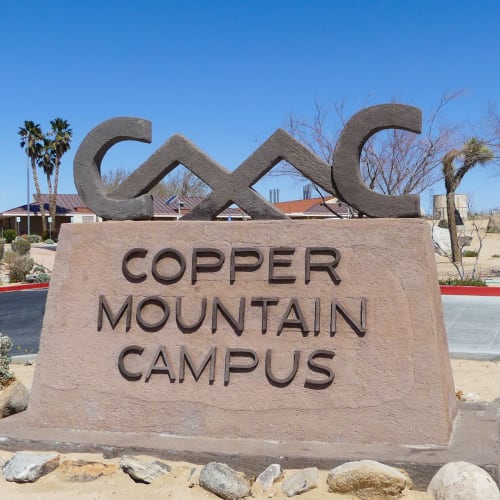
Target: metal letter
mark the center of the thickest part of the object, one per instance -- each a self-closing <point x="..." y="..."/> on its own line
<point x="131" y="349"/>
<point x="237" y="326"/>
<point x="281" y="382"/>
<point x="133" y="254"/>
<point x="316" y="367"/>
<point x="273" y="262"/>
<point x="207" y="267"/>
<point x="228" y="367"/>
<point x="346" y="175"/>
<point x="264" y="301"/>
<point x="157" y="301"/>
<point x="185" y="359"/>
<point x="299" y="322"/>
<point x="180" y="322"/>
<point x="173" y="254"/>
<point x="322" y="266"/>
<point x="166" y="368"/>
<point x="249" y="267"/>
<point x="113" y="321"/>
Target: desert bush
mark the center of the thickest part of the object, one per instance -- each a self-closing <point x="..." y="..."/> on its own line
<point x="19" y="268"/>
<point x="34" y="238"/>
<point x="443" y="224"/>
<point x="5" y="359"/>
<point x="466" y="281"/>
<point x="22" y="246"/>
<point x="39" y="274"/>
<point x="10" y="256"/>
<point x="9" y="235"/>
<point x="48" y="241"/>
<point x="469" y="253"/>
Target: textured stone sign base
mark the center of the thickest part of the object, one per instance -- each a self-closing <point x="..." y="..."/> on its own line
<point x="475" y="439"/>
<point x="328" y="330"/>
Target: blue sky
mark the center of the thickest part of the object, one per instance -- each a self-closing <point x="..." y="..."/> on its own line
<point x="226" y="74"/>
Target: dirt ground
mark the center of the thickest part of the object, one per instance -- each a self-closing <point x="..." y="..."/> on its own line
<point x="487" y="265"/>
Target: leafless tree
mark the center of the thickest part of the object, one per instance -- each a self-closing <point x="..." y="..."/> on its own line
<point x="393" y="162"/>
<point x="491" y="130"/>
<point x="181" y="182"/>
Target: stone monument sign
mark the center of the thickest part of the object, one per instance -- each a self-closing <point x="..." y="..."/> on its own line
<point x="270" y="329"/>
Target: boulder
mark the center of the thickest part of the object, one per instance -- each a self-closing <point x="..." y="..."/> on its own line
<point x="143" y="471"/>
<point x="27" y="467"/>
<point x="493" y="224"/>
<point x="83" y="471"/>
<point x="300" y="482"/>
<point x="463" y="481"/>
<point x="13" y="399"/>
<point x="223" y="481"/>
<point x="266" y="478"/>
<point x="368" y="479"/>
<point x="441" y="240"/>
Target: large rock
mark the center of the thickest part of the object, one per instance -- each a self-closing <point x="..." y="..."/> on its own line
<point x="223" y="481"/>
<point x="441" y="240"/>
<point x="83" y="471"/>
<point x="266" y="478"/>
<point x="143" y="471"/>
<point x="493" y="224"/>
<point x="27" y="467"/>
<point x="463" y="481"/>
<point x="302" y="481"/>
<point x="368" y="479"/>
<point x="13" y="399"/>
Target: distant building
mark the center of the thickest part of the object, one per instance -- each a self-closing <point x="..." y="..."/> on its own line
<point x="439" y="206"/>
<point x="71" y="209"/>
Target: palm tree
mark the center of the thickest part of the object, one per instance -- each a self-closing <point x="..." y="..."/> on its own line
<point x="474" y="152"/>
<point x="31" y="140"/>
<point x="46" y="161"/>
<point x="60" y="143"/>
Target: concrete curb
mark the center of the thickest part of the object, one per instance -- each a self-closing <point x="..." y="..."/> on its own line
<point x="23" y="286"/>
<point x="484" y="291"/>
<point x="23" y="359"/>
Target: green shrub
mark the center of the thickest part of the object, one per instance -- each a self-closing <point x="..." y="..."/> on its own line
<point x="20" y="268"/>
<point x="466" y="281"/>
<point x="48" y="241"/>
<point x="5" y="359"/>
<point x="469" y="253"/>
<point x="39" y="274"/>
<point x="22" y="247"/>
<point x="34" y="238"/>
<point x="9" y="235"/>
<point x="443" y="223"/>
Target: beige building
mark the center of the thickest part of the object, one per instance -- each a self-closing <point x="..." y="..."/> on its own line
<point x="439" y="206"/>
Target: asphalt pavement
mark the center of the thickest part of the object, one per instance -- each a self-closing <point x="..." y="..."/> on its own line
<point x="21" y="317"/>
<point x="472" y="323"/>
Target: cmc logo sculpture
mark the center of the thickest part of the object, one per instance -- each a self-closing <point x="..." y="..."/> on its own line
<point x="130" y="200"/>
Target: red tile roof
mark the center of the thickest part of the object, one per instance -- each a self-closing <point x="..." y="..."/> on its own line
<point x="70" y="204"/>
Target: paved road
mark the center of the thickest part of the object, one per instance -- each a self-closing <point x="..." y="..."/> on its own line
<point x="472" y="326"/>
<point x="21" y="315"/>
<point x="472" y="323"/>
